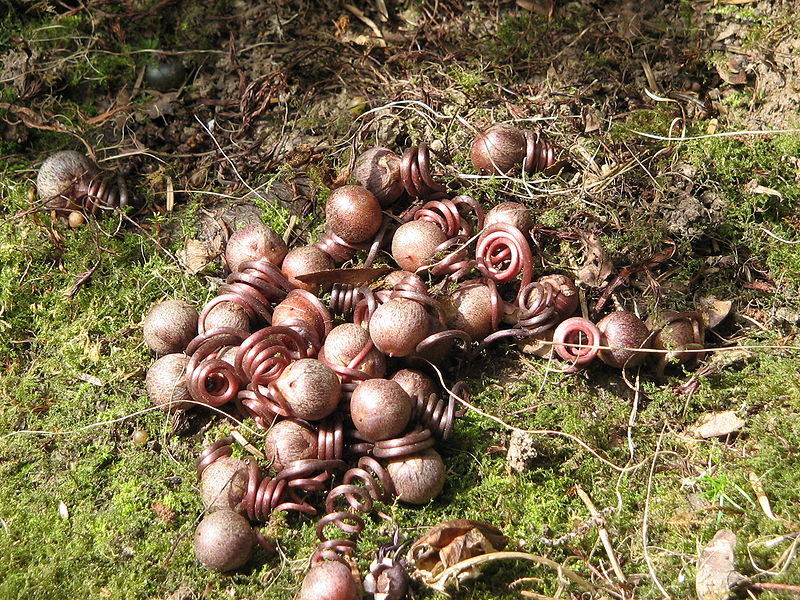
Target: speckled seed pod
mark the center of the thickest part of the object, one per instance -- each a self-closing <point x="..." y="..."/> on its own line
<point x="58" y="175"/>
<point x="397" y="326"/>
<point x="329" y="581"/>
<point x="510" y="213"/>
<point x="346" y="342"/>
<point x="470" y="309"/>
<point x="227" y="314"/>
<point x="289" y="440"/>
<point x="304" y="260"/>
<point x="498" y="149"/>
<point x="223" y="484"/>
<point x="623" y="329"/>
<point x="166" y="383"/>
<point x="353" y="213"/>
<point x="415" y="383"/>
<point x="169" y="326"/>
<point x="380" y="409"/>
<point x="224" y="540"/>
<point x="310" y="388"/>
<point x="254" y="242"/>
<point x="418" y="478"/>
<point x="378" y="170"/>
<point x="414" y="244"/>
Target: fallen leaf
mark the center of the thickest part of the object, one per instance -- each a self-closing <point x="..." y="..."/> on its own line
<point x="716" y="571"/>
<point x="597" y="266"/>
<point x="195" y="256"/>
<point x="716" y="424"/>
<point x="63" y="511"/>
<point x="451" y="542"/>
<point x="754" y="187"/>
<point x="713" y="311"/>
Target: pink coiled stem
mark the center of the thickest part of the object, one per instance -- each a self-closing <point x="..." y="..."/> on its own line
<point x="503" y="253"/>
<point x="580" y="331"/>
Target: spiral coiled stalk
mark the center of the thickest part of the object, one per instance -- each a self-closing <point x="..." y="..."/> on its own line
<point x="346" y="297"/>
<point x="503" y="253"/>
<point x="415" y="173"/>
<point x="577" y="341"/>
<point x="303" y="312"/>
<point x="376" y="485"/>
<point x="102" y="193"/>
<point x="540" y="153"/>
<point x="254" y="287"/>
<point x="438" y="414"/>
<point x="209" y="379"/>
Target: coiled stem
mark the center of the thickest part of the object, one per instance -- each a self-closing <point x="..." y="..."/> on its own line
<point x="415" y="173"/>
<point x="577" y="330"/>
<point x="540" y="153"/>
<point x="503" y="253"/>
<point x="211" y="380"/>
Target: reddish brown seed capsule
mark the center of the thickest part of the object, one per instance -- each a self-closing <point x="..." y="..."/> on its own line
<point x="310" y="388"/>
<point x="304" y="260"/>
<point x="378" y="170"/>
<point x="498" y="149"/>
<point x="254" y="242"/>
<point x="166" y="383"/>
<point x="380" y="409"/>
<point x="353" y="213"/>
<point x="224" y="540"/>
<point x="169" y="326"/>
<point x="414" y="244"/>
<point x="398" y="326"/>
<point x="329" y="581"/>
<point x="623" y="329"/>
<point x="289" y="440"/>
<point x="418" y="478"/>
<point x="223" y="484"/>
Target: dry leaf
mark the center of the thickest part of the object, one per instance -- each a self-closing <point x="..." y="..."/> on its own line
<point x="714" y="311"/>
<point x="195" y="256"/>
<point x="716" y="424"/>
<point x="716" y="572"/>
<point x="754" y="187"/>
<point x="63" y="511"/>
<point x="451" y="542"/>
<point x="597" y="266"/>
<point x="354" y="276"/>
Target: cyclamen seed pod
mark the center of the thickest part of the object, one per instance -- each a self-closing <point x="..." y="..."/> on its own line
<point x="169" y="326"/>
<point x="330" y="580"/>
<point x="378" y="170"/>
<point x="511" y="213"/>
<point x="498" y="149"/>
<point x="223" y="484"/>
<point x="254" y="242"/>
<point x="311" y="389"/>
<point x="380" y="409"/>
<point x="224" y="540"/>
<point x="353" y="213"/>
<point x="68" y="181"/>
<point x="415" y="243"/>
<point x="397" y="326"/>
<point x="304" y="260"/>
<point x="166" y="383"/>
<point x="623" y="329"/>
<point x="418" y="478"/>
<point x="289" y="440"/>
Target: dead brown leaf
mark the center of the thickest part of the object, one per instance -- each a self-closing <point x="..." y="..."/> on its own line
<point x="716" y="424"/>
<point x="597" y="266"/>
<point x="716" y="571"/>
<point x="451" y="542"/>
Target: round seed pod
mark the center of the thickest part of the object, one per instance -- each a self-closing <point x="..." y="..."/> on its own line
<point x="498" y="149"/>
<point x="469" y="308"/>
<point x="227" y="314"/>
<point x="396" y="277"/>
<point x="416" y="384"/>
<point x="58" y="175"/>
<point x="380" y="409"/>
<point x="566" y="300"/>
<point x="418" y="478"/>
<point x="397" y="326"/>
<point x="378" y="170"/>
<point x="166" y="383"/>
<point x="346" y="342"/>
<point x="414" y="244"/>
<point x="353" y="213"/>
<point x="164" y="75"/>
<point x="289" y="440"/>
<point x="254" y="242"/>
<point x="623" y="329"/>
<point x="510" y="213"/>
<point x="678" y="332"/>
<point x="76" y="219"/>
<point x="329" y="580"/>
<point x="223" y="484"/>
<point x="304" y="260"/>
<point x="224" y="540"/>
<point x="311" y="389"/>
<point x="169" y="326"/>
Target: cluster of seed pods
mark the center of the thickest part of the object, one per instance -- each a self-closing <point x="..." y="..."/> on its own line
<point x="355" y="401"/>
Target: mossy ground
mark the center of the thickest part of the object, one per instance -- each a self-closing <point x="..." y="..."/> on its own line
<point x="87" y="512"/>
